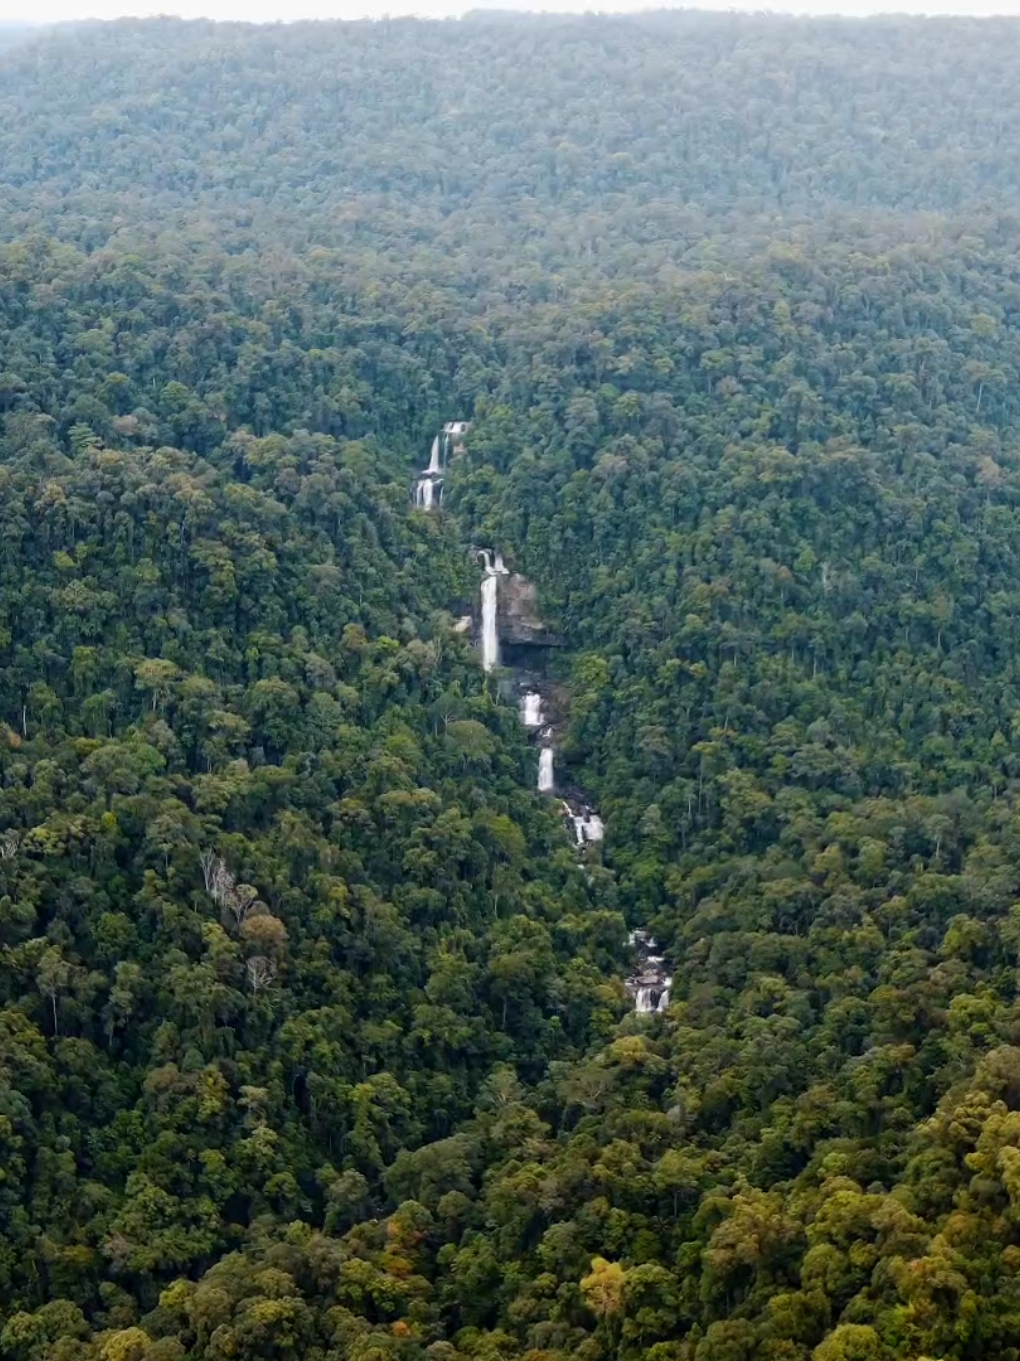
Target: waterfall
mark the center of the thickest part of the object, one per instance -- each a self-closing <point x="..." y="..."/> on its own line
<point x="587" y="828"/>
<point x="435" y="460"/>
<point x="424" y="493"/>
<point x="545" y="770"/>
<point x="492" y="562"/>
<point x="490" y="632"/>
<point x="641" y="940"/>
<point x="531" y="709"/>
<point x="649" y="984"/>
<point x="578" y="824"/>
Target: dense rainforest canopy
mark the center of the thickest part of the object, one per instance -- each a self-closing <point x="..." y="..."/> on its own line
<point x="314" y="1038"/>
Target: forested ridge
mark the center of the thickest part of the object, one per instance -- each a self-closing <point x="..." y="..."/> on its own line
<point x="314" y="1035"/>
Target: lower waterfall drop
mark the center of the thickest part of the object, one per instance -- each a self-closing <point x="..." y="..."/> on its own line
<point x="424" y="493"/>
<point x="545" y="770"/>
<point x="650" y="984"/>
<point x="594" y="828"/>
<point x="531" y="710"/>
<point x="578" y="822"/>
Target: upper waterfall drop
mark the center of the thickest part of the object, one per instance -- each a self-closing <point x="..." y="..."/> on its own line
<point x="545" y="770"/>
<point x="490" y="630"/>
<point x="492" y="561"/>
<point x="428" y="489"/>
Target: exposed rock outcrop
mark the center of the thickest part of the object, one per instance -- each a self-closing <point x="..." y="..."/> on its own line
<point x="520" y="624"/>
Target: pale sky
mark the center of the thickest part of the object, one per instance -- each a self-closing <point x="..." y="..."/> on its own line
<point x="258" y="11"/>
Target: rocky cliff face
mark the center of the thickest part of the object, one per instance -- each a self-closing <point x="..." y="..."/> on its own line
<point x="520" y="624"/>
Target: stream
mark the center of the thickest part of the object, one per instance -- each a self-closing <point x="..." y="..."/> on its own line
<point x="540" y="704"/>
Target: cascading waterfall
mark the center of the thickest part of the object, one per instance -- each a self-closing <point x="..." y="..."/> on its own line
<point x="490" y="630"/>
<point x="650" y="984"/>
<point x="494" y="569"/>
<point x="531" y="709"/>
<point x="545" y="770"/>
<point x="588" y="826"/>
<point x="578" y="822"/>
<point x="428" y="490"/>
<point x="594" y="828"/>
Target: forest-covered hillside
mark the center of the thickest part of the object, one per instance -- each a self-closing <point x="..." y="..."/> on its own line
<point x="314" y="1034"/>
<point x="518" y="145"/>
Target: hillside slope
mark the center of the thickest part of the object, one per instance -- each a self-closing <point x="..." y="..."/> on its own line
<point x="614" y="143"/>
<point x="314" y="1038"/>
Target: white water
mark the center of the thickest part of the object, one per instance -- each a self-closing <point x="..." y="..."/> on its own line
<point x="649" y="985"/>
<point x="424" y="493"/>
<point x="490" y="633"/>
<point x="531" y="709"/>
<point x="435" y="460"/>
<point x="578" y="824"/>
<point x="499" y="567"/>
<point x="545" y="770"/>
<point x="587" y="827"/>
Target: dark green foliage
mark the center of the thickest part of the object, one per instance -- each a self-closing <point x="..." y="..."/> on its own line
<point x="313" y="1035"/>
